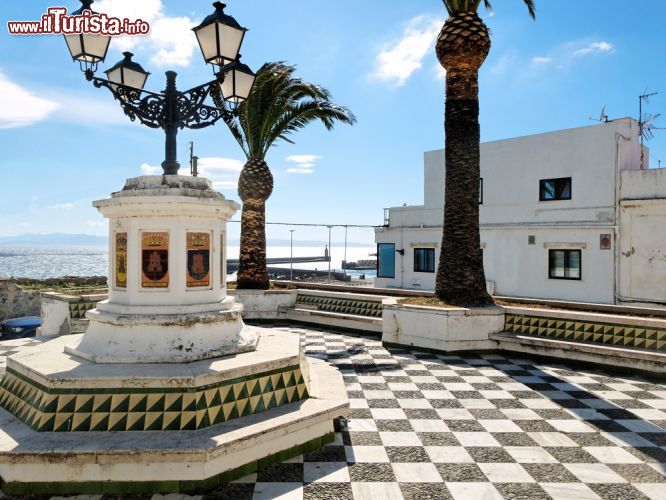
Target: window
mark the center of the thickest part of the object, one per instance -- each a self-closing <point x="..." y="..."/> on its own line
<point x="424" y="260"/>
<point x="564" y="264"/>
<point x="386" y="260"/>
<point x="555" y="189"/>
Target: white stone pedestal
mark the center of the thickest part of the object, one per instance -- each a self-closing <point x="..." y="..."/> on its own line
<point x="167" y="268"/>
<point x="168" y="390"/>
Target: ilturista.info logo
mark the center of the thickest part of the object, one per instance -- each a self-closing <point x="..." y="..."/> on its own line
<point x="56" y="22"/>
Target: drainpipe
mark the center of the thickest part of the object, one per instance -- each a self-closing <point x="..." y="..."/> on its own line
<point x="616" y="226"/>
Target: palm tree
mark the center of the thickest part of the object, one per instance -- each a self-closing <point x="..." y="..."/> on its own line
<point x="462" y="47"/>
<point x="278" y="105"/>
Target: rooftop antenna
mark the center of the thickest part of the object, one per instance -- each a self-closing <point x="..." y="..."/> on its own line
<point x="603" y="117"/>
<point x="646" y="121"/>
<point x="193" y="161"/>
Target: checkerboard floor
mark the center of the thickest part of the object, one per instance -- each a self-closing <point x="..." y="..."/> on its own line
<point x="427" y="426"/>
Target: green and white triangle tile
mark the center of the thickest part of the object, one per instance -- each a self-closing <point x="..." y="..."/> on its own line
<point x="155" y="403"/>
<point x="84" y="403"/>
<point x="154" y="421"/>
<point x="173" y="402"/>
<point x="138" y="403"/>
<point x="136" y="421"/>
<point x="81" y="422"/>
<point x="171" y="421"/>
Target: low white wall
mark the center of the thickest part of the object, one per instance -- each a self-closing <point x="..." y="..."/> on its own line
<point x="454" y="329"/>
<point x="55" y="315"/>
<point x="264" y="304"/>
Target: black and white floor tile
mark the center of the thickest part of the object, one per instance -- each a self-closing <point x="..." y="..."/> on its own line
<point x="426" y="426"/>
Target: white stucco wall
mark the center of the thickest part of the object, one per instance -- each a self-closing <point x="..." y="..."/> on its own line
<point x="594" y="157"/>
<point x="643" y="184"/>
<point x="511" y="170"/>
<point x="516" y="267"/>
<point x="642" y="252"/>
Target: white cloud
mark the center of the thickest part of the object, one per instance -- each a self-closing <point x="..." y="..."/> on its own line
<point x="565" y="56"/>
<point x="596" y="48"/>
<point x="171" y="40"/>
<point x="150" y="169"/>
<point x="19" y="107"/>
<point x="397" y="60"/>
<point x="304" y="163"/>
<point x="303" y="158"/>
<point x="212" y="165"/>
<point x="225" y="185"/>
<point x="222" y="172"/>
<point x="174" y="41"/>
<point x="61" y="206"/>
<point x="300" y="170"/>
<point x="81" y="109"/>
<point x="96" y="223"/>
<point x="541" y="60"/>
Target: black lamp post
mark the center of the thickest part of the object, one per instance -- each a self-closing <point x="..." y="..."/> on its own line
<point x="219" y="36"/>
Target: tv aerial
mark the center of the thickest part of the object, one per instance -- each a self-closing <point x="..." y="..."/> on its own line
<point x="646" y="121"/>
<point x="603" y="117"/>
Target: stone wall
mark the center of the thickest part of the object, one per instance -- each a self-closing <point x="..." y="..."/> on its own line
<point x="16" y="301"/>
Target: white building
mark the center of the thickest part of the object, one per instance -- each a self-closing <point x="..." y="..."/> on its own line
<point x="572" y="214"/>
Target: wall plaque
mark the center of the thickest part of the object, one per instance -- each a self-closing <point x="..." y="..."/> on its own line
<point x="155" y="260"/>
<point x="605" y="241"/>
<point x="198" y="260"/>
<point x="121" y="260"/>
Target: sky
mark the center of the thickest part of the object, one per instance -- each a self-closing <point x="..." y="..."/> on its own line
<point x="65" y="143"/>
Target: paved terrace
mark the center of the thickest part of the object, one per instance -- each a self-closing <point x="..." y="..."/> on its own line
<point x="470" y="427"/>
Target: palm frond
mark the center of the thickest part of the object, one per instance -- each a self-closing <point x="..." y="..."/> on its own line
<point x="280" y="104"/>
<point x="456" y="6"/>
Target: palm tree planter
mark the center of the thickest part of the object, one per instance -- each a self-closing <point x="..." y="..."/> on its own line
<point x="265" y="304"/>
<point x="441" y="329"/>
<point x="462" y="47"/>
<point x="278" y="105"/>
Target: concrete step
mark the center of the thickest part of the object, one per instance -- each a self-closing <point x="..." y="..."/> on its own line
<point x="351" y="321"/>
<point x="651" y="362"/>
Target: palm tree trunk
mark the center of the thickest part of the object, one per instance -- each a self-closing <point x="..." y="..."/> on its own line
<point x="460" y="276"/>
<point x="252" y="272"/>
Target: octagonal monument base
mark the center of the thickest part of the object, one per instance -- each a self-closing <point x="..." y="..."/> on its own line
<point x="168" y="390"/>
<point x="166" y="334"/>
<point x="217" y="418"/>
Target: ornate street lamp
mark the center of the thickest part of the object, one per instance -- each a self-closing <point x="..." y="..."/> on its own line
<point x="220" y="37"/>
<point x="127" y="73"/>
<point x="88" y="49"/>
<point x="238" y="81"/>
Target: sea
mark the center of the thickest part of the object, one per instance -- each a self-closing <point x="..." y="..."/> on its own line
<point x="40" y="262"/>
